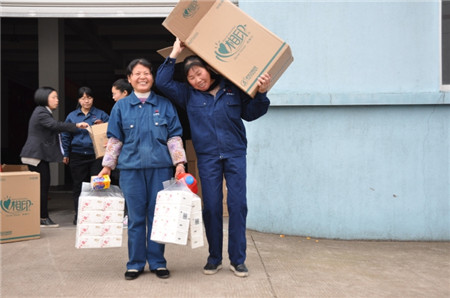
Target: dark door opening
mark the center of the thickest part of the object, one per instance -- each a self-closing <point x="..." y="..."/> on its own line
<point x="96" y="53"/>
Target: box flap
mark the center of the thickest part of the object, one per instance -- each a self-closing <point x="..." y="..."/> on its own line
<point x="185" y="16"/>
<point x="14" y="168"/>
<point x="166" y="52"/>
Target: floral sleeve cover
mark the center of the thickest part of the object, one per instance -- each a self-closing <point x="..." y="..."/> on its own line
<point x="113" y="149"/>
<point x="176" y="150"/>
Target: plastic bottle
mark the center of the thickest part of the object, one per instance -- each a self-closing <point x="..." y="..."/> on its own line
<point x="189" y="181"/>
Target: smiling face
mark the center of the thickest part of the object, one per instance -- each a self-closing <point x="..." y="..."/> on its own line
<point x="141" y="78"/>
<point x="199" y="78"/>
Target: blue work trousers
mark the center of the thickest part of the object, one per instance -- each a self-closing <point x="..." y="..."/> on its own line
<point x="211" y="171"/>
<point x="140" y="188"/>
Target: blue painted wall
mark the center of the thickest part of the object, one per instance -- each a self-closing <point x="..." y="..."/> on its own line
<point x="356" y="142"/>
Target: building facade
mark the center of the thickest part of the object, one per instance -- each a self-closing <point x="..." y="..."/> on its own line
<point x="356" y="142"/>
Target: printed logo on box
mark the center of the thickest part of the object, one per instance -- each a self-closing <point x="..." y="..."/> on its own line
<point x="190" y="11"/>
<point x="235" y="41"/>
<point x="15" y="206"/>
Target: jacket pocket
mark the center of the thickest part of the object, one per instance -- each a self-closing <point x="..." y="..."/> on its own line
<point x="129" y="130"/>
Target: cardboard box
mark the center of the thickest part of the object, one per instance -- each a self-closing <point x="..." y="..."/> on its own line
<point x="229" y="40"/>
<point x="14" y="168"/>
<point x="97" y="133"/>
<point x="19" y="204"/>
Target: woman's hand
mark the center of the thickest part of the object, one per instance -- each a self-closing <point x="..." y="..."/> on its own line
<point x="98" y="121"/>
<point x="105" y="171"/>
<point x="66" y="160"/>
<point x="178" y="47"/>
<point x="83" y="125"/>
<point x="264" y="82"/>
<point x="179" y="169"/>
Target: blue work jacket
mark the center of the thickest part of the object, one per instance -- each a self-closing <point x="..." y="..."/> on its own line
<point x="80" y="141"/>
<point x="216" y="121"/>
<point x="144" y="129"/>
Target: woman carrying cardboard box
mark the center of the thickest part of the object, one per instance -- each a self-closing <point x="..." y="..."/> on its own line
<point x="79" y="152"/>
<point x="215" y="108"/>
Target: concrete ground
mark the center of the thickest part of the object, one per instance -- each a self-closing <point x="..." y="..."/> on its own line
<point x="290" y="266"/>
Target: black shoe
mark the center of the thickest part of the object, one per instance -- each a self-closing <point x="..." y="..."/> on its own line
<point x="132" y="274"/>
<point x="48" y="223"/>
<point x="161" y="272"/>
<point x="211" y="268"/>
<point x="239" y="270"/>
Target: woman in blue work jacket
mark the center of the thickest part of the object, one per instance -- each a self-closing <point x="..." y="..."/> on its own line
<point x="215" y="109"/>
<point x="79" y="152"/>
<point x="144" y="143"/>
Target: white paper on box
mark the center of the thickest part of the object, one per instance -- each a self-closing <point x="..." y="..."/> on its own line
<point x="196" y="204"/>
<point x="100" y="217"/>
<point x="196" y="225"/>
<point x="173" y="218"/>
<point x="112" y="229"/>
<point x="196" y="241"/>
<point x="88" y="242"/>
<point x="89" y="230"/>
<point x="89" y="217"/>
<point x="89" y="203"/>
<point x="98" y="241"/>
<point x="113" y="204"/>
<point x="112" y="241"/>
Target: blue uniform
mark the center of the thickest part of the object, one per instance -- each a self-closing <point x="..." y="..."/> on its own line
<point x="219" y="139"/>
<point x="144" y="163"/>
<point x="81" y="142"/>
<point x="79" y="148"/>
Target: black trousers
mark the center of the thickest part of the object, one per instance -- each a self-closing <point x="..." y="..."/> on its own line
<point x="82" y="167"/>
<point x="43" y="168"/>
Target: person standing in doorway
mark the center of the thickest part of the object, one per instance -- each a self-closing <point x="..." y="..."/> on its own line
<point x="79" y="152"/>
<point x="215" y="109"/>
<point x="43" y="143"/>
<point x="120" y="89"/>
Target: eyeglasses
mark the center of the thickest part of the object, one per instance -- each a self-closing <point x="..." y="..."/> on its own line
<point x="86" y="98"/>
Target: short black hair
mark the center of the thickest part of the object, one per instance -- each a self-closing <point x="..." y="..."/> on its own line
<point x="84" y="90"/>
<point x="123" y="86"/>
<point x="141" y="61"/>
<point x="41" y="95"/>
<point x="195" y="60"/>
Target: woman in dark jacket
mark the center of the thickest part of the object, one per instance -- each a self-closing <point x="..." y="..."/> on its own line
<point x="43" y="143"/>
